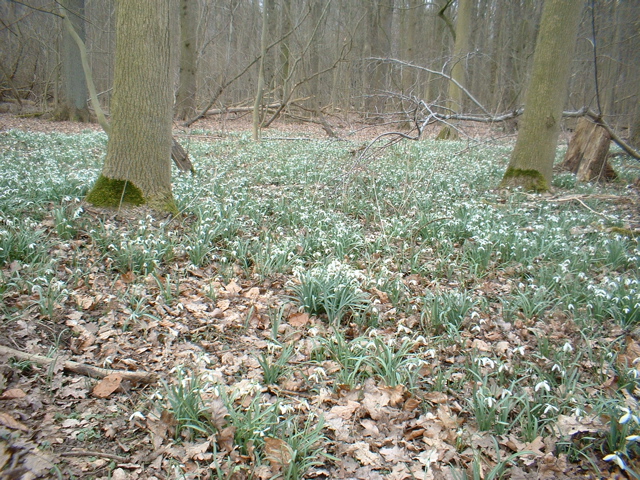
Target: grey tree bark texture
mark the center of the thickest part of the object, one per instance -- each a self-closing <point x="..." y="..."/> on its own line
<point x="74" y="88"/>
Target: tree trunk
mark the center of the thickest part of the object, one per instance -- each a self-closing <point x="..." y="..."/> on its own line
<point x="137" y="168"/>
<point x="74" y="98"/>
<point x="257" y="105"/>
<point x="460" y="51"/>
<point x="587" y="153"/>
<point x="186" y="97"/>
<point x="634" y="134"/>
<point x="531" y="163"/>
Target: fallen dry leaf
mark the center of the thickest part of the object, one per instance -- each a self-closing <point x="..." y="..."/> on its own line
<point x="277" y="452"/>
<point x="411" y="404"/>
<point x="219" y="413"/>
<point x="107" y="385"/>
<point x="12" y="394"/>
<point x="226" y="439"/>
<point x="344" y="411"/>
<point x="396" y="394"/>
<point x="299" y="319"/>
<point x="233" y="288"/>
<point x="365" y="456"/>
<point x="394" y="454"/>
<point x="569" y="426"/>
<point x="198" y="451"/>
<point x="253" y="293"/>
<point x="10" y="422"/>
<point x="384" y="298"/>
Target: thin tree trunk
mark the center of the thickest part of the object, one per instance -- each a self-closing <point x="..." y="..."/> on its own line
<point x="263" y="52"/>
<point x="458" y="71"/>
<point x="74" y="99"/>
<point x="186" y="96"/>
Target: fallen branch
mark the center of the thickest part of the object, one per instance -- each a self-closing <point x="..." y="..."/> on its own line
<point x="90" y="453"/>
<point x="80" y="368"/>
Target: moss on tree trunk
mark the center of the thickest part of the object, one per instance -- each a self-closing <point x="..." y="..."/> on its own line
<point x="530" y="180"/>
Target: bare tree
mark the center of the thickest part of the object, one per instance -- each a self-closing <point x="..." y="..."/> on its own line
<point x="186" y="96"/>
<point x="74" y="102"/>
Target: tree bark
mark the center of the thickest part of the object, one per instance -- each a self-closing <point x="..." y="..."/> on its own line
<point x="260" y="89"/>
<point x="587" y="152"/>
<point x="137" y="168"/>
<point x="74" y="99"/>
<point x="531" y="163"/>
<point x="186" y="96"/>
<point x="458" y="71"/>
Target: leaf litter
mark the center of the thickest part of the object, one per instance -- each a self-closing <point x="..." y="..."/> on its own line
<point x="219" y="327"/>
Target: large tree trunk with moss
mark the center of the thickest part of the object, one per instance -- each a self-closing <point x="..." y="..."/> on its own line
<point x="531" y="163"/>
<point x="137" y="168"/>
<point x="460" y="52"/>
<point x="186" y="96"/>
<point x="74" y="88"/>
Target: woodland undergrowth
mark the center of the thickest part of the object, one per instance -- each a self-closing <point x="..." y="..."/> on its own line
<point x="314" y="314"/>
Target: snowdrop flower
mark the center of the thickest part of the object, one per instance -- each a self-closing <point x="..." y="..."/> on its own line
<point x="614" y="457"/>
<point x="544" y="385"/>
<point x="318" y="374"/>
<point x="567" y="347"/>
<point x="137" y="415"/>
<point x="633" y="438"/>
<point x="286" y="409"/>
<point x="403" y="329"/>
<point x="519" y="350"/>
<point x="627" y="417"/>
<point x="550" y="408"/>
<point x="484" y="361"/>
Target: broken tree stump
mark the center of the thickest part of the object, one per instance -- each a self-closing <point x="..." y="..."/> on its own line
<point x="587" y="153"/>
<point x="181" y="157"/>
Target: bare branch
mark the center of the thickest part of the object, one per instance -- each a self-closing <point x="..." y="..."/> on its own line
<point x="435" y="72"/>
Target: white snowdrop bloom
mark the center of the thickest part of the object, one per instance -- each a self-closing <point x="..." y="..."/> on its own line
<point x="557" y="368"/>
<point x="544" y="385"/>
<point x="490" y="401"/>
<point x="550" y="408"/>
<point x="318" y="374"/>
<point x="137" y="415"/>
<point x="486" y="361"/>
<point x="286" y="409"/>
<point x="520" y="350"/>
<point x="403" y="329"/>
<point x="633" y="438"/>
<point x="614" y="457"/>
<point x="628" y="416"/>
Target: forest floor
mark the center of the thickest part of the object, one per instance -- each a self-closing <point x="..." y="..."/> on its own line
<point x="312" y="313"/>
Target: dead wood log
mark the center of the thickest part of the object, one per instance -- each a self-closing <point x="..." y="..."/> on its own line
<point x="80" y="368"/>
<point x="587" y="153"/>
